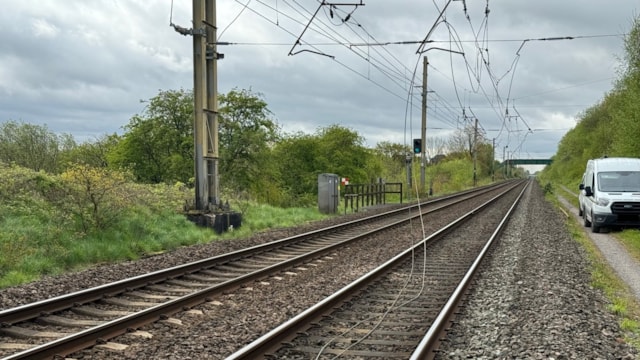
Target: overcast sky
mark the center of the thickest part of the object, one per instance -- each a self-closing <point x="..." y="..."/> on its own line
<point x="82" y="67"/>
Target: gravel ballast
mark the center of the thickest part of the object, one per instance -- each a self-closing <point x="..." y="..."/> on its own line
<point x="532" y="301"/>
<point x="51" y="286"/>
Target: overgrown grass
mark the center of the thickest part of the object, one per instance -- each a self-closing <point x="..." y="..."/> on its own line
<point x="261" y="217"/>
<point x="630" y="238"/>
<point x="37" y="238"/>
<point x="50" y="224"/>
<point x="30" y="248"/>
<point x="623" y="303"/>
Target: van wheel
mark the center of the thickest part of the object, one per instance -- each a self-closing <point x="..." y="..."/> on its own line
<point x="594" y="228"/>
<point x="586" y="222"/>
<point x="580" y="212"/>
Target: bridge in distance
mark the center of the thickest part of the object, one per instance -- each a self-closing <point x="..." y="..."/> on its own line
<point x="512" y="162"/>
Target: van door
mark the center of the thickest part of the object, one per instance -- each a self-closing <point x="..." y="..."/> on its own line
<point x="588" y="198"/>
<point x="581" y="195"/>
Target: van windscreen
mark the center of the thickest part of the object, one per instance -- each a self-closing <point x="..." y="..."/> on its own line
<point x="619" y="181"/>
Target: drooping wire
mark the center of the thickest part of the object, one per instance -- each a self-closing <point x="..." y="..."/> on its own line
<point x="234" y="19"/>
<point x="171" y="15"/>
<point x="364" y="56"/>
<point x="390" y="72"/>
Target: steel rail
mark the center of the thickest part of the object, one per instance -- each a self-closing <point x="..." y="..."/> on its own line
<point x="284" y="332"/>
<point x="110" y="329"/>
<point x="426" y="348"/>
<point x="63" y="302"/>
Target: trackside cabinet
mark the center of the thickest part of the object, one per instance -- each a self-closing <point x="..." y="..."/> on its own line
<point x="328" y="193"/>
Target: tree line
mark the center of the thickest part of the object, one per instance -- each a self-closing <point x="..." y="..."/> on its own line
<point x="608" y="128"/>
<point x="257" y="158"/>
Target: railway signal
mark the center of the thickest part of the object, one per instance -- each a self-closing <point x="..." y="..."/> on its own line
<point x="417" y="146"/>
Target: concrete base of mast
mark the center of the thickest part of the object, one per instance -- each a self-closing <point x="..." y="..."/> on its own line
<point x="222" y="219"/>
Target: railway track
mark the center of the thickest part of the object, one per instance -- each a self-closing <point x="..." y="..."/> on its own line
<point x="401" y="309"/>
<point x="65" y="324"/>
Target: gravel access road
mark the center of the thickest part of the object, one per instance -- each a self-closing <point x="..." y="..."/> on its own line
<point x="627" y="268"/>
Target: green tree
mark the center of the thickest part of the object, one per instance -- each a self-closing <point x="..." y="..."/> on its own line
<point x="95" y="197"/>
<point x="627" y="114"/>
<point x="484" y="159"/>
<point x="296" y="167"/>
<point x="609" y="127"/>
<point x="32" y="146"/>
<point x="342" y="151"/>
<point x="334" y="149"/>
<point x="93" y="153"/>
<point x="246" y="134"/>
<point x="632" y="47"/>
<point x="393" y="160"/>
<point x="158" y="144"/>
<point x="627" y="110"/>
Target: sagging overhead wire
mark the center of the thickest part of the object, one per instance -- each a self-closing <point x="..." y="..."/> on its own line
<point x="403" y="42"/>
<point x="385" y="70"/>
<point x="181" y="30"/>
<point x="481" y="40"/>
<point x="244" y="7"/>
<point x="323" y="3"/>
<point x="424" y="42"/>
<point x="341" y="40"/>
<point x="514" y="64"/>
<point x="394" y="74"/>
<point x="281" y="12"/>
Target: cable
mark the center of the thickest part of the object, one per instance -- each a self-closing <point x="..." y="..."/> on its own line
<point x="171" y="14"/>
<point x="341" y="28"/>
<point x="322" y="32"/>
<point x="234" y="19"/>
<point x="379" y="65"/>
<point x="565" y="88"/>
<point x="409" y="42"/>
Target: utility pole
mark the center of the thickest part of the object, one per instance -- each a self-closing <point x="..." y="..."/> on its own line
<point x="409" y="160"/>
<point x="475" y="152"/>
<point x="205" y="129"/>
<point x="423" y="134"/>
<point x="504" y="160"/>
<point x="211" y="157"/>
<point x="199" y="96"/>
<point x="208" y="209"/>
<point x="493" y="160"/>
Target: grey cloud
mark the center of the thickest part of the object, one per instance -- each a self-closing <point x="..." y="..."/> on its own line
<point x="82" y="67"/>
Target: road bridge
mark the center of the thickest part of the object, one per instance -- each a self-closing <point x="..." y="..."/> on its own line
<point x="513" y="162"/>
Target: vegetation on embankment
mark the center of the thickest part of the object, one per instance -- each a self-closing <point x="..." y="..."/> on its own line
<point x="54" y="223"/>
<point x="65" y="205"/>
<point x="609" y="128"/>
<point x="84" y="216"/>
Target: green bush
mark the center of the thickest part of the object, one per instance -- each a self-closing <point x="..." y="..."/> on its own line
<point x="50" y="224"/>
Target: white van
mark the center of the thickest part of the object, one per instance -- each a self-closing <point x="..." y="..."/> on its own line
<point x="610" y="193"/>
